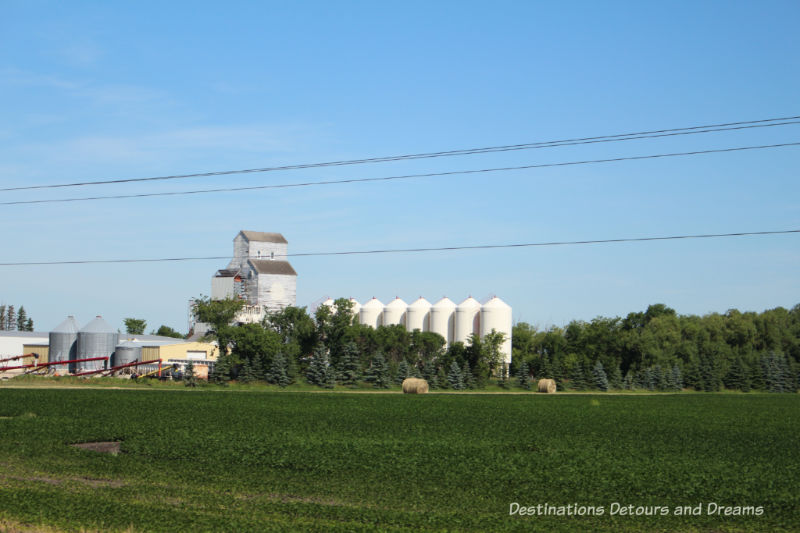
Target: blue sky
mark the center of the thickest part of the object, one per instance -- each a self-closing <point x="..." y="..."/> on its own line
<point x="97" y="90"/>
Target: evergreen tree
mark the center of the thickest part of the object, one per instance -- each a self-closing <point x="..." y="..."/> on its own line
<point x="378" y="373"/>
<point x="469" y="379"/>
<point x="402" y="372"/>
<point x="349" y="367"/>
<point x="615" y="379"/>
<point x="278" y="370"/>
<point x="29" y="325"/>
<point x="676" y="378"/>
<point x="429" y="374"/>
<point x="775" y="370"/>
<point x="246" y="373"/>
<point x="649" y="379"/>
<point x="628" y="382"/>
<point x="757" y="375"/>
<point x="2" y="317"/>
<point x="738" y="377"/>
<point x="708" y="379"/>
<point x="599" y="375"/>
<point x="660" y="378"/>
<point x="524" y="377"/>
<point x="454" y="377"/>
<point x="317" y="373"/>
<point x="257" y="369"/>
<point x="502" y="380"/>
<point x="222" y="370"/>
<point x="577" y="378"/>
<point x="441" y="378"/>
<point x="11" y="318"/>
<point x="22" y="319"/>
<point x="189" y="377"/>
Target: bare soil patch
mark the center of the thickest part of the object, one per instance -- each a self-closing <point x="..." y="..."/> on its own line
<point x="112" y="447"/>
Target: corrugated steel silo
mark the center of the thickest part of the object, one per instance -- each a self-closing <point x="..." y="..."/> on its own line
<point x="64" y="343"/>
<point x="370" y="313"/>
<point x="468" y="317"/>
<point x="395" y="312"/>
<point x="496" y="314"/>
<point x="96" y="339"/>
<point x="418" y="315"/>
<point x="442" y="319"/>
<point x="126" y="352"/>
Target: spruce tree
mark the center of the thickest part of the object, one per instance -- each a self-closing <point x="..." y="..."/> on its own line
<point x="659" y="378"/>
<point x="737" y="376"/>
<point x="757" y="375"/>
<point x="317" y="368"/>
<point x="627" y="383"/>
<point x="257" y="369"/>
<point x="278" y="370"/>
<point x="469" y="379"/>
<point x="615" y="379"/>
<point x="222" y="370"/>
<point x="676" y="378"/>
<point x="11" y="319"/>
<point x="429" y="374"/>
<point x="246" y="373"/>
<point x="454" y="377"/>
<point x="524" y="377"/>
<point x="402" y="372"/>
<point x="599" y="375"/>
<point x="502" y="380"/>
<point x="2" y="317"/>
<point x="22" y="319"/>
<point x="349" y="367"/>
<point x="578" y="380"/>
<point x="441" y="378"/>
<point x="378" y="373"/>
<point x="189" y="377"/>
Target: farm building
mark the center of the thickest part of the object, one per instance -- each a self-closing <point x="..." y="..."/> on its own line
<point x="95" y="340"/>
<point x="259" y="274"/>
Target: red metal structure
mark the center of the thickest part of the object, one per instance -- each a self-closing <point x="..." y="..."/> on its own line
<point x="54" y="363"/>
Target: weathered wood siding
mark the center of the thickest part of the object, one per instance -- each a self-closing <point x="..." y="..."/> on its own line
<point x="276" y="291"/>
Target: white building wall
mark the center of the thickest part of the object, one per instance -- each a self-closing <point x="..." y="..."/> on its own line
<point x="276" y="291"/>
<point x="221" y="288"/>
<point x="11" y="342"/>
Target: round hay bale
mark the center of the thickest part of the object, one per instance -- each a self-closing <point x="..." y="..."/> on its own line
<point x="415" y="386"/>
<point x="547" y="386"/>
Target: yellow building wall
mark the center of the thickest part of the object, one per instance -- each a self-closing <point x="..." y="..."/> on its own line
<point x="42" y="349"/>
<point x="179" y="351"/>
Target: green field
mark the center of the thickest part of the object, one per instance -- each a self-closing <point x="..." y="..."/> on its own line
<point x="211" y="460"/>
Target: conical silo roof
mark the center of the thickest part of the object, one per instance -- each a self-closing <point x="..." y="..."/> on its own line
<point x="98" y="325"/>
<point x="70" y="325"/>
<point x="444" y="303"/>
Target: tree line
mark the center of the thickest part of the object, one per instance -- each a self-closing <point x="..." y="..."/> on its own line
<point x="14" y="320"/>
<point x="659" y="349"/>
<point x="331" y="348"/>
<point x="655" y="350"/>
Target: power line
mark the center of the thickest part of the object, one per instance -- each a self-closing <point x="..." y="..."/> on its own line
<point x="692" y="130"/>
<point x="401" y="177"/>
<point x="419" y="250"/>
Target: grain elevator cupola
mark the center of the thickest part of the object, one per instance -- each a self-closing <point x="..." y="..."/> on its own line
<point x="258" y="273"/>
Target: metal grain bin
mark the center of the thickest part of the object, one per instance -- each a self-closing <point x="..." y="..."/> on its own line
<point x="96" y="339"/>
<point x="64" y="343"/>
<point x="126" y="352"/>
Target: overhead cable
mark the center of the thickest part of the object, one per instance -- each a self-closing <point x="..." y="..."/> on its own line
<point x="401" y="177"/>
<point x="420" y="250"/>
<point x="691" y="130"/>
